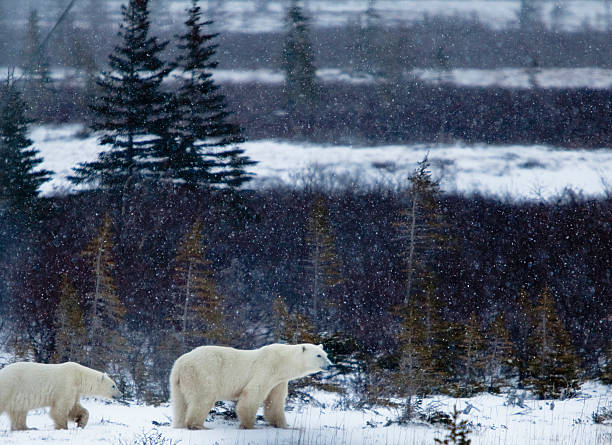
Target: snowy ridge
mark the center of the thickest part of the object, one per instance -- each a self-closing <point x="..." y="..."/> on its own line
<point x="517" y="172"/>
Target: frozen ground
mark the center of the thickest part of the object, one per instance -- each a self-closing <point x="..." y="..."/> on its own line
<point x="493" y="423"/>
<point x="268" y="15"/>
<point x="515" y="172"/>
<point x="598" y="78"/>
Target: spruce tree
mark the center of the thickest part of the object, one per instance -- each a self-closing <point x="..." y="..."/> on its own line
<point x="606" y="372"/>
<point x="71" y="335"/>
<point x="131" y="114"/>
<point x="204" y="149"/>
<point x="473" y="357"/>
<point x="420" y="227"/>
<point x="36" y="64"/>
<point x="322" y="265"/>
<point x="106" y="344"/>
<point x="413" y="376"/>
<point x="301" y="88"/>
<point x="20" y="176"/>
<point x="199" y="308"/>
<point x="500" y="362"/>
<point x="553" y="367"/>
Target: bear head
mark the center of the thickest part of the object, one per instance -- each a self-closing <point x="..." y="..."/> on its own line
<point x="314" y="358"/>
<point x="108" y="388"/>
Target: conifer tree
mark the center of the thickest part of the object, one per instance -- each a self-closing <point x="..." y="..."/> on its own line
<point x="71" y="335"/>
<point x="420" y="226"/>
<point x="200" y="306"/>
<point x="301" y="88"/>
<point x="131" y="114"/>
<point x="106" y="344"/>
<point x="20" y="176"/>
<point x="606" y="374"/>
<point x="473" y="356"/>
<point x="204" y="149"/>
<point x="553" y="367"/>
<point x="415" y="358"/>
<point x="293" y="327"/>
<point x="500" y="360"/>
<point x="366" y="51"/>
<point x="36" y="67"/>
<point x="322" y="265"/>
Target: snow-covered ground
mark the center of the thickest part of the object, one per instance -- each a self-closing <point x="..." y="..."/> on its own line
<point x="515" y="172"/>
<point x="493" y="422"/>
<point x="598" y="78"/>
<point x="268" y="15"/>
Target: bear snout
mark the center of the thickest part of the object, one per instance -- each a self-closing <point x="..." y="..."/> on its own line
<point x="328" y="364"/>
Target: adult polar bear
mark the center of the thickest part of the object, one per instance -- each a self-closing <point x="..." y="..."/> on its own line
<point x="209" y="373"/>
<point x="26" y="385"/>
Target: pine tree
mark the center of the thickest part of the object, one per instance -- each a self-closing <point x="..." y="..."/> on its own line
<point x="606" y="373"/>
<point x="20" y="176"/>
<point x="71" y="335"/>
<point x="131" y="114"/>
<point x="500" y="360"/>
<point x="204" y="149"/>
<point x="200" y="304"/>
<point x="293" y="327"/>
<point x="458" y="431"/>
<point x="322" y="265"/>
<point x="36" y="68"/>
<point x="367" y="49"/>
<point x="106" y="344"/>
<point x="553" y="367"/>
<point x="301" y="88"/>
<point x="473" y="357"/>
<point x="412" y="378"/>
<point x="420" y="227"/>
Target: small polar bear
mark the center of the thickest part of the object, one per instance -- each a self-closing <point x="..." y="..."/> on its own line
<point x="252" y="377"/>
<point x="26" y="385"/>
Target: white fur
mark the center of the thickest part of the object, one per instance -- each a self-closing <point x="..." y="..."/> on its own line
<point x="25" y="386"/>
<point x="252" y="377"/>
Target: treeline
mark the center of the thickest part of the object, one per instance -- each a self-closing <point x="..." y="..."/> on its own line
<point x="319" y="265"/>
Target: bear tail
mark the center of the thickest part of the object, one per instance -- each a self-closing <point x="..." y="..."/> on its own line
<point x="177" y="400"/>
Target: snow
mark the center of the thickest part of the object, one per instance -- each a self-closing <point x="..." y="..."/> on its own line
<point x="492" y="422"/>
<point x="532" y="172"/>
<point x="586" y="77"/>
<point x="267" y="15"/>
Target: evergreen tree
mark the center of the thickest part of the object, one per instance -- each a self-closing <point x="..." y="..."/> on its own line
<point x="131" y="114"/>
<point x="71" y="335"/>
<point x="413" y="376"/>
<point x="322" y="265"/>
<point x="36" y="67"/>
<point x="301" y="88"/>
<point x="292" y="327"/>
<point x="106" y="344"/>
<point x="553" y="367"/>
<point x="420" y="227"/>
<point x="200" y="304"/>
<point x="367" y="49"/>
<point x="473" y="357"/>
<point x="606" y="374"/>
<point x="20" y="177"/>
<point x="204" y="147"/>
<point x="500" y="355"/>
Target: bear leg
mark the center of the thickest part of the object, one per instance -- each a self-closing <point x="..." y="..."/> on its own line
<point x="60" y="417"/>
<point x="79" y="415"/>
<point x="197" y="411"/>
<point x="274" y="406"/>
<point x="246" y="409"/>
<point x="18" y="420"/>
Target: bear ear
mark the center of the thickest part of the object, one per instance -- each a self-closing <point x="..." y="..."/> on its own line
<point x="303" y="348"/>
<point x="320" y="346"/>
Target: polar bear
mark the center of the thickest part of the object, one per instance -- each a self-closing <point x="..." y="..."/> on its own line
<point x="209" y="373"/>
<point x="26" y="385"/>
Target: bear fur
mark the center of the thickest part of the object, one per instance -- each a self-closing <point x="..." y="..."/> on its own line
<point x="252" y="377"/>
<point x="26" y="385"/>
